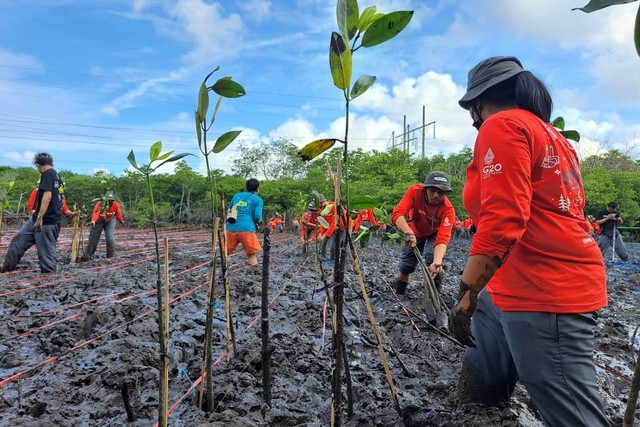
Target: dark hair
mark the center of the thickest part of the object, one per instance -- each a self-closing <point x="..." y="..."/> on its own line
<point x="612" y="205"/>
<point x="43" y="159"/>
<point x="252" y="185"/>
<point x="526" y="90"/>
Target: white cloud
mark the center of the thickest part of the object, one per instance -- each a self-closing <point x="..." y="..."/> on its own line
<point x="19" y="158"/>
<point x="256" y="10"/>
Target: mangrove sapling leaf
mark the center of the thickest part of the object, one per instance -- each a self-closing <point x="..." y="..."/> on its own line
<point x="155" y="150"/>
<point x="366" y="18"/>
<point x="558" y="122"/>
<point x="132" y="159"/>
<point x="227" y="88"/>
<point x="172" y="159"/>
<point x="358" y="203"/>
<point x="224" y="140"/>
<point x="203" y="101"/>
<point x="198" y="129"/>
<point x="386" y="27"/>
<point x="323" y="222"/>
<point x="340" y="61"/>
<point x="315" y="148"/>
<point x="347" y="14"/>
<point x="636" y="33"/>
<point x="571" y="134"/>
<point x="361" y="85"/>
<point x="594" y="5"/>
<point x="215" y="110"/>
<point x="364" y="233"/>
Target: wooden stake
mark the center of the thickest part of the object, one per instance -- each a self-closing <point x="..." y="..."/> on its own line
<point x="208" y="330"/>
<point x="374" y="325"/>
<point x="231" y="335"/>
<point x="266" y="350"/>
<point x="164" y="402"/>
<point x="75" y="238"/>
<point x="630" y="413"/>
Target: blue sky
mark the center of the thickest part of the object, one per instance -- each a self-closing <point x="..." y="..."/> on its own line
<point x="89" y="80"/>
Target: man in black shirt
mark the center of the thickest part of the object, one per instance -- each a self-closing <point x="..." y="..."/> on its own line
<point x="609" y="219"/>
<point x="43" y="227"/>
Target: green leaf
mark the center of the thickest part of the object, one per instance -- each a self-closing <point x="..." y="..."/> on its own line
<point x="361" y="85"/>
<point x="315" y="148"/>
<point x="215" y="110"/>
<point x="228" y="88"/>
<point x="164" y="156"/>
<point x="224" y="140"/>
<point x="347" y="16"/>
<point x="323" y="222"/>
<point x="558" y="122"/>
<point x="365" y="18"/>
<point x="571" y="134"/>
<point x="594" y="5"/>
<point x="132" y="159"/>
<point x="340" y="61"/>
<point x="362" y="202"/>
<point x="380" y="214"/>
<point x="386" y="28"/>
<point x="173" y="159"/>
<point x="198" y="128"/>
<point x="364" y="234"/>
<point x="154" y="151"/>
<point x="636" y="34"/>
<point x="203" y="101"/>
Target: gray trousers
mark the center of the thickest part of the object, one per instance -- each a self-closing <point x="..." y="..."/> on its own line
<point x="408" y="260"/>
<point x="45" y="241"/>
<point x="109" y="228"/>
<point x="605" y="243"/>
<point x="328" y="242"/>
<point x="552" y="354"/>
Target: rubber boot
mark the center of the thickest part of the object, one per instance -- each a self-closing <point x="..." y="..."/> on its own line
<point x="401" y="287"/>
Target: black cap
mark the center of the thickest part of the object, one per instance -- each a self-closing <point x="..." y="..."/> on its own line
<point x="439" y="180"/>
<point x="489" y="73"/>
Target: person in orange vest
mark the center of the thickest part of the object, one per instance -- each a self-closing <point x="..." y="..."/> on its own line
<point x="309" y="222"/>
<point x="102" y="218"/>
<point x="534" y="278"/>
<point x="466" y="225"/>
<point x="65" y="208"/>
<point x="365" y="218"/>
<point x="328" y="235"/>
<point x="273" y="225"/>
<point x="295" y="226"/>
<point x="278" y="221"/>
<point x="595" y="227"/>
<point x="458" y="229"/>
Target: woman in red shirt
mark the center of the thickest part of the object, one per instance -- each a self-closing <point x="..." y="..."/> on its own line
<point x="534" y="277"/>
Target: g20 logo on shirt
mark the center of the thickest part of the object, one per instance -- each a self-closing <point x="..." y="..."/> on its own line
<point x="491" y="168"/>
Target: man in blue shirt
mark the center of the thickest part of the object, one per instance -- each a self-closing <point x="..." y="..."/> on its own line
<point x="246" y="206"/>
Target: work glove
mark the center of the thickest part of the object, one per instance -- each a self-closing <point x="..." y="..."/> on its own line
<point x="460" y="320"/>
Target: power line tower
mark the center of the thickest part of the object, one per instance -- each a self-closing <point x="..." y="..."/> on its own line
<point x="411" y="137"/>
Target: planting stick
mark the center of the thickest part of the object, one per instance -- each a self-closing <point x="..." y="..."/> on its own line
<point x="74" y="239"/>
<point x="231" y="335"/>
<point x="266" y="351"/>
<point x="164" y="404"/>
<point x="209" y="324"/>
<point x="374" y="325"/>
<point x="630" y="413"/>
<point x="430" y="292"/>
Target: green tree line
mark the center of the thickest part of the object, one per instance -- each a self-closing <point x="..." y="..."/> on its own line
<point x="287" y="183"/>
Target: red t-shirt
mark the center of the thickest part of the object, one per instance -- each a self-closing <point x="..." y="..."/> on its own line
<point x="425" y="220"/>
<point x="525" y="194"/>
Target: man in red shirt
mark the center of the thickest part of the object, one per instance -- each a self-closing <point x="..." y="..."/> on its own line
<point x="102" y="218"/>
<point x="365" y="218"/>
<point x="425" y="216"/>
<point x="309" y="222"/>
<point x="534" y="277"/>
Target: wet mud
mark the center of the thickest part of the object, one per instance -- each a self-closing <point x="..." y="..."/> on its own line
<point x="76" y="345"/>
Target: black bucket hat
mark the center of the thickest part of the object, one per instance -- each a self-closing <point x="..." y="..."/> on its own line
<point x="439" y="180"/>
<point x="489" y="73"/>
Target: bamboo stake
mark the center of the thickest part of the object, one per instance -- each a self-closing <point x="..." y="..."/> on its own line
<point x="630" y="413"/>
<point x="208" y="359"/>
<point x="231" y="335"/>
<point x="374" y="325"/>
<point x="165" y="366"/>
<point x="266" y="351"/>
<point x="74" y="239"/>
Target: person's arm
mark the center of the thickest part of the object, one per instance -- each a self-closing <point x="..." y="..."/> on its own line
<point x="95" y="214"/>
<point x="119" y="215"/>
<point x="44" y="205"/>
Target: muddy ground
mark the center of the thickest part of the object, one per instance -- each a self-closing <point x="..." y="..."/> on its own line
<point x="69" y="340"/>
